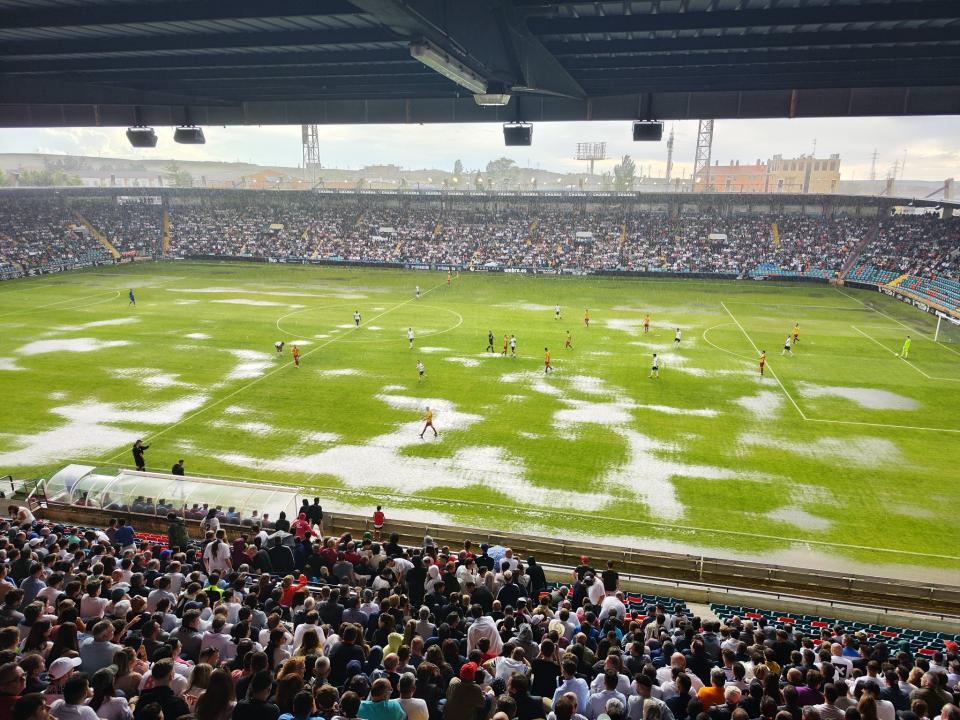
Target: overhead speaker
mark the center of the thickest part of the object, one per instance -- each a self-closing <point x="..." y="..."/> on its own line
<point x="646" y="131"/>
<point x="189" y="135"/>
<point x="142" y="137"/>
<point x="517" y="134"/>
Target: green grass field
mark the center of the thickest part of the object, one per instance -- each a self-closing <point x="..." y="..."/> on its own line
<point x="841" y="456"/>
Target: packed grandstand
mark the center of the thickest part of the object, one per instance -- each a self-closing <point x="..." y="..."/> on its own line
<point x="917" y="253"/>
<point x="215" y="620"/>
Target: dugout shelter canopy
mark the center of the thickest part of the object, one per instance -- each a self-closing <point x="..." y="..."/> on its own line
<point x="87" y="486"/>
<point x="210" y="62"/>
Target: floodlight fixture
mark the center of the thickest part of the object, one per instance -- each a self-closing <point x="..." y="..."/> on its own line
<point x="141" y="136"/>
<point x="442" y="62"/>
<point x="517" y="134"/>
<point x="189" y="135"/>
<point x="647" y="131"/>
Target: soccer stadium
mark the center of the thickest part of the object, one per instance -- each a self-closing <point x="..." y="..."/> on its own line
<point x="684" y="449"/>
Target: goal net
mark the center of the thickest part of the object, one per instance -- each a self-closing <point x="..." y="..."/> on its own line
<point x="948" y="329"/>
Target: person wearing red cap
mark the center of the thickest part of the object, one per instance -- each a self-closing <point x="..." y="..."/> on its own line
<point x="466" y="699"/>
<point x="583" y="568"/>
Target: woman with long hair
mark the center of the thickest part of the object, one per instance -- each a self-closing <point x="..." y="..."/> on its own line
<point x="65" y="643"/>
<point x="287" y="687"/>
<point x="126" y="678"/>
<point x="105" y="701"/>
<point x="197" y="685"/>
<point x="37" y="639"/>
<point x="276" y="649"/>
<point x="216" y="557"/>
<point x="210" y="522"/>
<point x="218" y="701"/>
<point x="309" y="645"/>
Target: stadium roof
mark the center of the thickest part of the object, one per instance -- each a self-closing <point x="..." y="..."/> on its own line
<point x="164" y="62"/>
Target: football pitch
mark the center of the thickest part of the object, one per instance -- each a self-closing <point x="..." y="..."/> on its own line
<point x="842" y="456"/>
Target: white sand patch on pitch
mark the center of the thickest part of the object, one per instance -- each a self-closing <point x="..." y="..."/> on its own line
<point x="374" y="327"/>
<point x="535" y="379"/>
<point x="648" y="476"/>
<point x="340" y="372"/>
<point x="630" y="326"/>
<point x="300" y="342"/>
<point x="255" y="303"/>
<point x="80" y="345"/>
<point x="600" y="353"/>
<point x="57" y="395"/>
<point x="254" y="428"/>
<point x="764" y="405"/>
<point x="185" y="302"/>
<point x="88" y="429"/>
<point x="9" y="363"/>
<point x="380" y="461"/>
<point x="514" y="398"/>
<point x="273" y="293"/>
<point x="581" y="412"/>
<point x="799" y="518"/>
<point x="97" y="323"/>
<point x="695" y="371"/>
<point x="698" y="412"/>
<point x="393" y="388"/>
<point x="589" y="385"/>
<point x="529" y="435"/>
<point x="320" y="437"/>
<point x="236" y="410"/>
<point x="152" y="378"/>
<point x="532" y="307"/>
<point x="197" y="336"/>
<point x="378" y="308"/>
<point x="321" y="336"/>
<point x="869" y="398"/>
<point x="252" y="364"/>
<point x="466" y="362"/>
<point x="430" y="350"/>
<point x="345" y="326"/>
<point x="861" y="450"/>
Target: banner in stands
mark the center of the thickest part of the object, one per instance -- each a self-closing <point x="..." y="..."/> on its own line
<point x="910" y="300"/>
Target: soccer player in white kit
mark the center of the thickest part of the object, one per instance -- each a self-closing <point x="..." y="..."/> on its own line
<point x="356" y="317"/>
<point x="676" y="338"/>
<point x="418" y="292"/>
<point x="787" y="349"/>
<point x="655" y="368"/>
<point x="279" y="346"/>
<point x="410" y="337"/>
<point x="513" y="346"/>
<point x="556" y="312"/>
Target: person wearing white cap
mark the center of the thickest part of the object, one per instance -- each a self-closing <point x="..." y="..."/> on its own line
<point x="59" y="671"/>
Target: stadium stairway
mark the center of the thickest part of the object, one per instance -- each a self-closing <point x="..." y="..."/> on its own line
<point x="897" y="280"/>
<point x="854" y="255"/>
<point x="920" y="642"/>
<point x="101" y="238"/>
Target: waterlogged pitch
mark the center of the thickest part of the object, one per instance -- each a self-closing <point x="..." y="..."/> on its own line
<point x="841" y="455"/>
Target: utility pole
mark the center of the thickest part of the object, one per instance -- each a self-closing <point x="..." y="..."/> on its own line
<point x="873" y="164"/>
<point x="670" y="155"/>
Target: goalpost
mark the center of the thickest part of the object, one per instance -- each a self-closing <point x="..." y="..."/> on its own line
<point x="949" y="332"/>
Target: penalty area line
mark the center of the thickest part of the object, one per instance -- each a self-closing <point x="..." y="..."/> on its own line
<point x="220" y="401"/>
<point x="896" y="355"/>
<point x="772" y="372"/>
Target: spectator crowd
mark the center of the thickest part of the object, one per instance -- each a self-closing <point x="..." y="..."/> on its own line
<point x="305" y="227"/>
<point x="250" y="623"/>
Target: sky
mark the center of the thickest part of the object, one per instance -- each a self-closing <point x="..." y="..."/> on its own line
<point x="931" y="144"/>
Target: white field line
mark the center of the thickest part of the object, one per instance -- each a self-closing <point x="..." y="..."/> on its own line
<point x="60" y="302"/>
<point x="879" y="312"/>
<point x="578" y="516"/>
<point x="775" y="377"/>
<point x="382" y="339"/>
<point x="729" y="352"/>
<point x="948" y="349"/>
<point x="896" y="355"/>
<point x="273" y="372"/>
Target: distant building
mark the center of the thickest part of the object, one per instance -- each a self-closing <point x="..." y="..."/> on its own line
<point x="733" y="178"/>
<point x="805" y="174"/>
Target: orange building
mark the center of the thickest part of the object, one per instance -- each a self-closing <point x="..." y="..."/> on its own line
<point x="733" y="178"/>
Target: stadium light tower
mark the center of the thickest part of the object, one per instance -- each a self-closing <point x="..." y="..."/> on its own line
<point x="701" y="161"/>
<point x="592" y="151"/>
<point x="311" y="152"/>
<point x="669" y="156"/>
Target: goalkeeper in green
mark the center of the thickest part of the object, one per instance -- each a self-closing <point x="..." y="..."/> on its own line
<point x="906" y="348"/>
